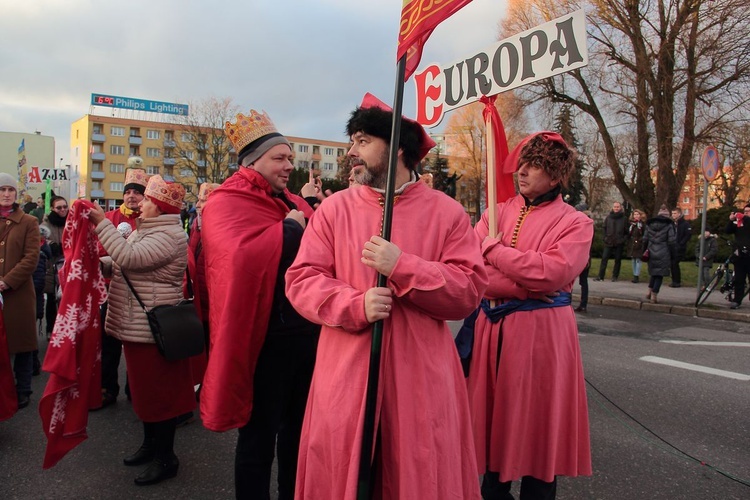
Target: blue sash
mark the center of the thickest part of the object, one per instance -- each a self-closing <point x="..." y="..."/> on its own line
<point x="500" y="311"/>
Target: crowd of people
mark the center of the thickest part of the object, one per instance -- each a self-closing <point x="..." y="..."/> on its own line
<point x="286" y="286"/>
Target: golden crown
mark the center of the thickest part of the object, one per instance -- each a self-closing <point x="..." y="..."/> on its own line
<point x="249" y="128"/>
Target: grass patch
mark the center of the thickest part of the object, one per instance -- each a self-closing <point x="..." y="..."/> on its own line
<point x="688" y="270"/>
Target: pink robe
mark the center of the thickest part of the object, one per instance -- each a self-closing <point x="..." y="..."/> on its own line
<point x="530" y="414"/>
<point x="427" y="446"/>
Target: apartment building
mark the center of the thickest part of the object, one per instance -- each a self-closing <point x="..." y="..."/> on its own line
<point x="101" y="145"/>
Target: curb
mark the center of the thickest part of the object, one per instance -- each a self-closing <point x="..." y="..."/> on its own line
<point x="681" y="310"/>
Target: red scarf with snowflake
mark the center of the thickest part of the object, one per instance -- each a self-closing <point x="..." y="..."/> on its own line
<point x="73" y="356"/>
<point x="8" y="398"/>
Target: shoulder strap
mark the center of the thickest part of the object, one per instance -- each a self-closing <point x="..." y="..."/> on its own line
<point x="143" y="306"/>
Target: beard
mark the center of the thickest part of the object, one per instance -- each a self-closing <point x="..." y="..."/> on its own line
<point x="374" y="175"/>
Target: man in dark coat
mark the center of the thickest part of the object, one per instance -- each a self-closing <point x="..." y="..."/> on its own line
<point x="710" y="249"/>
<point x="683" y="232"/>
<point x="615" y="235"/>
<point x="739" y="225"/>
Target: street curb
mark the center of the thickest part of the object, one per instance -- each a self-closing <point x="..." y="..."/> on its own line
<point x="680" y="310"/>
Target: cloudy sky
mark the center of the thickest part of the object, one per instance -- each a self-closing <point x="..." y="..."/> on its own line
<point x="306" y="62"/>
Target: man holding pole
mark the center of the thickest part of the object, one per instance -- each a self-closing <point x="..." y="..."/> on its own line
<point x="423" y="442"/>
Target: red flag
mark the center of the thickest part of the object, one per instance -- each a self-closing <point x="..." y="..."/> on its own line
<point x="73" y="356"/>
<point x="504" y="185"/>
<point x="418" y="19"/>
<point x="8" y="398"/>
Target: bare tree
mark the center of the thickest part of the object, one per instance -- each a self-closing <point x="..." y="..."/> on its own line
<point x="669" y="73"/>
<point x="202" y="147"/>
<point x="733" y="181"/>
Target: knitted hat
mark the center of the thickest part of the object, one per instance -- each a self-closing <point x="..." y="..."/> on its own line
<point x="374" y="117"/>
<point x="167" y="196"/>
<point x="253" y="135"/>
<point x="8" y="180"/>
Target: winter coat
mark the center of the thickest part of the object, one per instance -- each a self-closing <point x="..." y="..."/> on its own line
<point x="154" y="258"/>
<point x="56" y="225"/>
<point x="660" y="239"/>
<point x="19" y="254"/>
<point x="711" y="248"/>
<point x="636" y="230"/>
<point x="39" y="277"/>
<point x="615" y="229"/>
<point x="684" y="232"/>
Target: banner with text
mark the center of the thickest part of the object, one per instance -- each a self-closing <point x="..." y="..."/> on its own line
<point x="113" y="101"/>
<point x="550" y="49"/>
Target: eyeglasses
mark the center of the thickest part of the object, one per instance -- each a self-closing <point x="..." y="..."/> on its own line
<point x="63" y="207"/>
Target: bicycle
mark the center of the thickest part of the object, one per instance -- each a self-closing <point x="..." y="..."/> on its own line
<point x="725" y="273"/>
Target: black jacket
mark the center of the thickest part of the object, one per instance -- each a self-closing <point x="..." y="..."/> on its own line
<point x="684" y="231"/>
<point x="615" y="229"/>
<point x="660" y="240"/>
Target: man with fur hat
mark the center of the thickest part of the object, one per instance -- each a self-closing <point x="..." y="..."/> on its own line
<point x="136" y="180"/>
<point x="435" y="273"/>
<point x="262" y="351"/>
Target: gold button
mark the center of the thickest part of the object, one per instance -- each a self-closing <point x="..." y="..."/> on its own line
<point x="2" y="260"/>
<point x="7" y="222"/>
<point x="2" y="243"/>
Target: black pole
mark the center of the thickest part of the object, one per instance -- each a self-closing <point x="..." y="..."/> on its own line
<point x="373" y="376"/>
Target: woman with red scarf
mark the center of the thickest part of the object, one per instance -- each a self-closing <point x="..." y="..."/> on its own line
<point x="153" y="258"/>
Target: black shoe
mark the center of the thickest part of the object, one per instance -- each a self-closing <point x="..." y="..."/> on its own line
<point x="675" y="285"/>
<point x="144" y="455"/>
<point x="635" y="279"/>
<point x="23" y="400"/>
<point x="598" y="279"/>
<point x="158" y="471"/>
<point x="732" y="305"/>
<point x="107" y="400"/>
<point x="580" y="309"/>
<point x="184" y="419"/>
<point x="614" y="279"/>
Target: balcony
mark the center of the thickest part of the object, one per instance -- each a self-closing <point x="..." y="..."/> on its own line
<point x="135" y="140"/>
<point x="97" y="193"/>
<point x="98" y="156"/>
<point x="95" y="137"/>
<point x="97" y="175"/>
<point x="170" y="161"/>
<point x="169" y="143"/>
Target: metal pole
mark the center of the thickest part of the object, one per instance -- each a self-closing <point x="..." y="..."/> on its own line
<point x="702" y="239"/>
<point x="373" y="376"/>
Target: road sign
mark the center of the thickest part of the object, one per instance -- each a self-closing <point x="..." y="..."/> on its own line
<point x="710" y="163"/>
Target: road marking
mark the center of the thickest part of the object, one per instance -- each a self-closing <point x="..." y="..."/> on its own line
<point x="705" y="342"/>
<point x="696" y="368"/>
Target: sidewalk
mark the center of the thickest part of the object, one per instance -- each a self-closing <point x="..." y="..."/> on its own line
<point x="671" y="300"/>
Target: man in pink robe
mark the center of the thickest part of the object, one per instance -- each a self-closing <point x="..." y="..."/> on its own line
<point x="526" y="386"/>
<point x="424" y="446"/>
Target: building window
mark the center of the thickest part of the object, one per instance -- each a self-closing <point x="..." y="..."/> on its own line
<point x="117" y="168"/>
<point x="116" y="186"/>
<point x="188" y="155"/>
<point x="328" y="151"/>
<point x="303" y="148"/>
<point x="96" y="185"/>
<point x="186" y="172"/>
<point x="316" y="150"/>
<point x="152" y="170"/>
<point x="135" y="151"/>
<point x="186" y="137"/>
<point x="303" y="164"/>
<point x="341" y="152"/>
<point x="686" y="200"/>
<point x="153" y="152"/>
<point x="135" y="132"/>
<point x="117" y="150"/>
<point x="97" y="129"/>
<point x="328" y="166"/>
<point x="153" y="134"/>
<point x="169" y="171"/>
<point x="96" y="167"/>
<point x="117" y="131"/>
<point x="168" y="135"/>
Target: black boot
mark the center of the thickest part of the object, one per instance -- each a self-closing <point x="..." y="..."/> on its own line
<point x="165" y="463"/>
<point x="635" y="279"/>
<point x="147" y="451"/>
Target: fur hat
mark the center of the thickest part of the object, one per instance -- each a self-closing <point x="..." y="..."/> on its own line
<point x="167" y="196"/>
<point x="8" y="180"/>
<point x="374" y="117"/>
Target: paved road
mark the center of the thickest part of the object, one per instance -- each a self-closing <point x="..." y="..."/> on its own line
<point x="704" y="414"/>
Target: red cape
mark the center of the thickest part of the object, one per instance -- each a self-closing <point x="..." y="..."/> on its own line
<point x="8" y="398"/>
<point x="242" y="238"/>
<point x="73" y="357"/>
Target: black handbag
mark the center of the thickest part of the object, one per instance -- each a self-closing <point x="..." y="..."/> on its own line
<point x="177" y="330"/>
